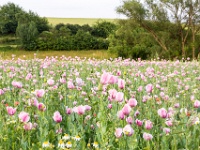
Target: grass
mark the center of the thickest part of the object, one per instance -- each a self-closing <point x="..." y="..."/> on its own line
<point x="80" y="21"/>
<point x="98" y="54"/>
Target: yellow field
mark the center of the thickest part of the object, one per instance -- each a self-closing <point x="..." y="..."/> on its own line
<point x="98" y="54"/>
<point x="80" y="21"/>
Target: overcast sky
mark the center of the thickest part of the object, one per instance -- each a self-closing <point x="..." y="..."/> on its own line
<point x="70" y="8"/>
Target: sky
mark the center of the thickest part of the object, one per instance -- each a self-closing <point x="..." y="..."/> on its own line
<point x="70" y="8"/>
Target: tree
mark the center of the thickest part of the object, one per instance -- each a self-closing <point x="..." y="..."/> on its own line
<point x="183" y="13"/>
<point x="9" y="22"/>
<point x="27" y="34"/>
<point x="103" y="29"/>
<point x="194" y="21"/>
<point x="135" y="10"/>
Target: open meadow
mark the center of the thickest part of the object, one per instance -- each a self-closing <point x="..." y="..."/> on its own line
<point x="98" y="54"/>
<point x="80" y="21"/>
<point x="77" y="103"/>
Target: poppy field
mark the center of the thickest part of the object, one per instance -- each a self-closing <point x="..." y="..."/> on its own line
<point x="111" y="104"/>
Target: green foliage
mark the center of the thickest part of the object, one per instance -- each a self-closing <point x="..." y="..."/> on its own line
<point x="11" y="15"/>
<point x="28" y="34"/>
<point x="103" y="29"/>
<point x="9" y="22"/>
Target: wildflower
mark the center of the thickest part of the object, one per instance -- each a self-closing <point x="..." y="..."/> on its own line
<point x="120" y="115"/>
<point x="28" y="126"/>
<point x="57" y="117"/>
<point x="119" y="96"/>
<point x="95" y="144"/>
<point x="132" y="102"/>
<point x="128" y="130"/>
<point x="77" y="138"/>
<point x="69" y="144"/>
<point x="79" y="109"/>
<point x="121" y="83"/>
<point x="17" y="84"/>
<point x="148" y="125"/>
<point x="129" y="120"/>
<point x="126" y="110"/>
<point x="10" y="110"/>
<point x="109" y="106"/>
<point x="162" y="113"/>
<point x="113" y="79"/>
<point x="39" y="93"/>
<point x="24" y="116"/>
<point x="147" y="136"/>
<point x="66" y="137"/>
<point x="139" y="122"/>
<point x="61" y="144"/>
<point x="118" y="132"/>
<point x="41" y="107"/>
<point x="105" y="77"/>
<point x="68" y="110"/>
<point x="45" y="144"/>
<point x="70" y="85"/>
<point x="112" y="94"/>
<point x="1" y="92"/>
<point x="169" y="123"/>
<point x="166" y="130"/>
<point x="196" y="104"/>
<point x="50" y="82"/>
<point x="149" y="88"/>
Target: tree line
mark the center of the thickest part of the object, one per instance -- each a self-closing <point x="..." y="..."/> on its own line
<point x="154" y="28"/>
<point x="35" y="33"/>
<point x="163" y="28"/>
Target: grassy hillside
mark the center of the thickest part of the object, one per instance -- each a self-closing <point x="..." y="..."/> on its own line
<point x="80" y="21"/>
<point x="99" y="54"/>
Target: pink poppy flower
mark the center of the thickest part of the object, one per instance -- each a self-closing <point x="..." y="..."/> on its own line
<point x="105" y="77"/>
<point x="196" y="104"/>
<point x="1" y="92"/>
<point x="166" y="130"/>
<point x="148" y="125"/>
<point x="28" y="126"/>
<point x="128" y="130"/>
<point x="109" y="106"/>
<point x="149" y="88"/>
<point x="162" y="113"/>
<point x="120" y="115"/>
<point x="57" y="117"/>
<point x="112" y="94"/>
<point x="68" y="111"/>
<point x="118" y="132"/>
<point x="126" y="110"/>
<point x="121" y="83"/>
<point x="39" y="93"/>
<point x="147" y="136"/>
<point x="113" y="79"/>
<point x="62" y="80"/>
<point x="80" y="110"/>
<point x="138" y="122"/>
<point x="41" y="107"/>
<point x="10" y="110"/>
<point x="70" y="85"/>
<point x="50" y="82"/>
<point x="119" y="96"/>
<point x="132" y="102"/>
<point x="24" y="117"/>
<point x="87" y="108"/>
<point x="129" y="120"/>
<point x="169" y="123"/>
<point x="17" y="84"/>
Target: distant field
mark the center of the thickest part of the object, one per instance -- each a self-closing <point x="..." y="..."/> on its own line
<point x="80" y="21"/>
<point x="98" y="54"/>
